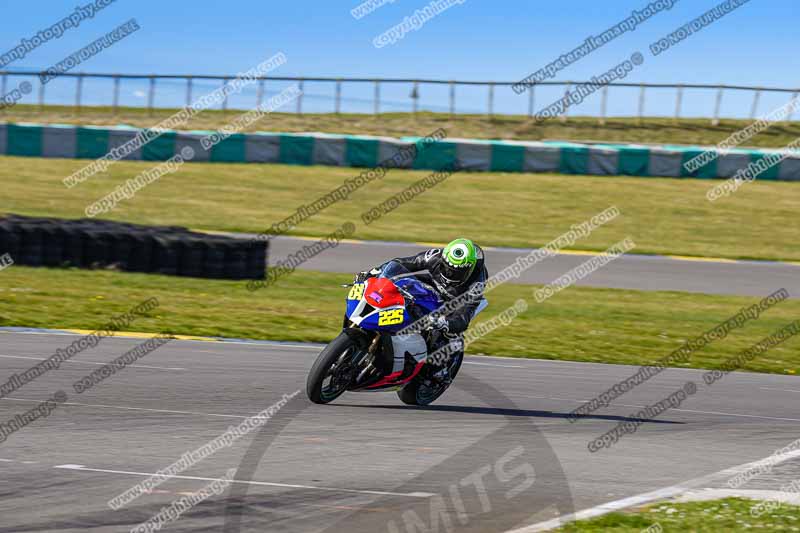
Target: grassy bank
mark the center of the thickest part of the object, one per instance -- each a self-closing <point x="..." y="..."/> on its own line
<point x="730" y="514"/>
<point x="666" y="216"/>
<point x="623" y="129"/>
<point x="580" y="324"/>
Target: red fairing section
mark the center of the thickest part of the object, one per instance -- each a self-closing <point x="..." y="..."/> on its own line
<point x="389" y="380"/>
<point x="381" y="292"/>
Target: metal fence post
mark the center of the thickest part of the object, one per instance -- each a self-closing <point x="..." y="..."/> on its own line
<point x="3" y="86"/>
<point x="300" y="99"/>
<point x="717" y="106"/>
<point x="678" y="101"/>
<point x="641" y="102"/>
<point x="531" y="100"/>
<point x="151" y="96"/>
<point x="259" y="93"/>
<point x="791" y="113"/>
<point x="452" y="97"/>
<point x="225" y="97"/>
<point x="188" y="91"/>
<point x="603" y="105"/>
<point x="338" y="96"/>
<point x="41" y="96"/>
<point x="491" y="100"/>
<point x="377" y="103"/>
<point x="563" y="118"/>
<point x="754" y="109"/>
<point x="115" y="102"/>
<point x="78" y="91"/>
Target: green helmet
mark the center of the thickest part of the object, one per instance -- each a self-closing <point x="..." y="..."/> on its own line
<point x="458" y="262"/>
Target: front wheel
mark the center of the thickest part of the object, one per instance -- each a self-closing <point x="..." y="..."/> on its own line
<point x="333" y="371"/>
<point x="424" y="390"/>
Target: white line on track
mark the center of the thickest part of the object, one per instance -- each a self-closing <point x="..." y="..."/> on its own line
<point x="491" y="364"/>
<point x="782" y="390"/>
<point x="257" y="344"/>
<point x="132" y="408"/>
<point x="254" y="343"/>
<point x="738" y="414"/>
<point x="92" y="362"/>
<point x="695" y="411"/>
<point x="660" y="494"/>
<point x="83" y="468"/>
<point x="704" y="495"/>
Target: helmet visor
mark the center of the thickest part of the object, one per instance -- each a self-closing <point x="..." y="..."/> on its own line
<point x="453" y="275"/>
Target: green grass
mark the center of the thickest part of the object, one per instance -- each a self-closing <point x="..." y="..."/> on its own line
<point x="666" y="216"/>
<point x="624" y="129"/>
<point x="580" y="324"/>
<point x="729" y="515"/>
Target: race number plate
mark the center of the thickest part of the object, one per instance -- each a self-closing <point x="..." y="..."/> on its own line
<point x="390" y="317"/>
<point x="356" y="292"/>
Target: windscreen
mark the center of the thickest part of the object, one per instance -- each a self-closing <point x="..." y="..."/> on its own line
<point x="393" y="270"/>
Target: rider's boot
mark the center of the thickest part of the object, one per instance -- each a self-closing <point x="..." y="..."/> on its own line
<point x="446" y="346"/>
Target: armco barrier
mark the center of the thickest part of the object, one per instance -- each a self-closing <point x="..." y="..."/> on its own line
<point x="90" y="142"/>
<point x="93" y="243"/>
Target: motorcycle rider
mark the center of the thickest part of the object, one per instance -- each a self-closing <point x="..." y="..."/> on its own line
<point x="454" y="271"/>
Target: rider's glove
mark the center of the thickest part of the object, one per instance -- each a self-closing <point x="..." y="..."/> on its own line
<point x="440" y="323"/>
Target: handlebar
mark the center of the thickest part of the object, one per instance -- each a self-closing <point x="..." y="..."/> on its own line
<point x="405" y="293"/>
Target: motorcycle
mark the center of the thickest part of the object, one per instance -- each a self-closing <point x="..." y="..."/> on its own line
<point x="369" y="355"/>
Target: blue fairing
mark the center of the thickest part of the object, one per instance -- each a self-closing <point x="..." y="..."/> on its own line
<point x="424" y="297"/>
<point x="371" y="322"/>
<point x="351" y="306"/>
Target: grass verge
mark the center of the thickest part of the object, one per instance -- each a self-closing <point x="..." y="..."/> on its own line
<point x="580" y="324"/>
<point x="618" y="129"/>
<point x="729" y="514"/>
<point x="665" y="216"/>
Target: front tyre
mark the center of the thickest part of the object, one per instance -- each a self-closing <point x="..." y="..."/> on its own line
<point x="332" y="372"/>
<point x="423" y="390"/>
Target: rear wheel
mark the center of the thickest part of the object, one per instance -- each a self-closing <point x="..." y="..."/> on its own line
<point x="425" y="389"/>
<point x="333" y="371"/>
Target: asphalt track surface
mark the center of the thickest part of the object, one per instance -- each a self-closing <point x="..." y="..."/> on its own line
<point x="641" y="272"/>
<point x="363" y="461"/>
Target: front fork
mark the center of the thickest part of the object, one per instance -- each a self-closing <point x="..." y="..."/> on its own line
<point x="362" y="337"/>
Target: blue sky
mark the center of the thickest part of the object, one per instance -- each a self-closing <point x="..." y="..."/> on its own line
<point x="476" y="40"/>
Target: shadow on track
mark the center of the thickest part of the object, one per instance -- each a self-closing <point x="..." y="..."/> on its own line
<point x="499" y="411"/>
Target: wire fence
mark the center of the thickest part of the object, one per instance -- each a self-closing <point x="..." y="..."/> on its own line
<point x="381" y="95"/>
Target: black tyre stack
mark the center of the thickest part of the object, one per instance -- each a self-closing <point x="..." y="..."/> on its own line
<point x="93" y="243"/>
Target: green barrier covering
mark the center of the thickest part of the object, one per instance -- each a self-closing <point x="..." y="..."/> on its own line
<point x="230" y="150"/>
<point x="435" y="155"/>
<point x="161" y="148"/>
<point x="707" y="171"/>
<point x="769" y="174"/>
<point x="297" y="149"/>
<point x="632" y="160"/>
<point x="507" y="157"/>
<point x="361" y="152"/>
<point x="24" y="140"/>
<point x="574" y="159"/>
<point x="91" y="143"/>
